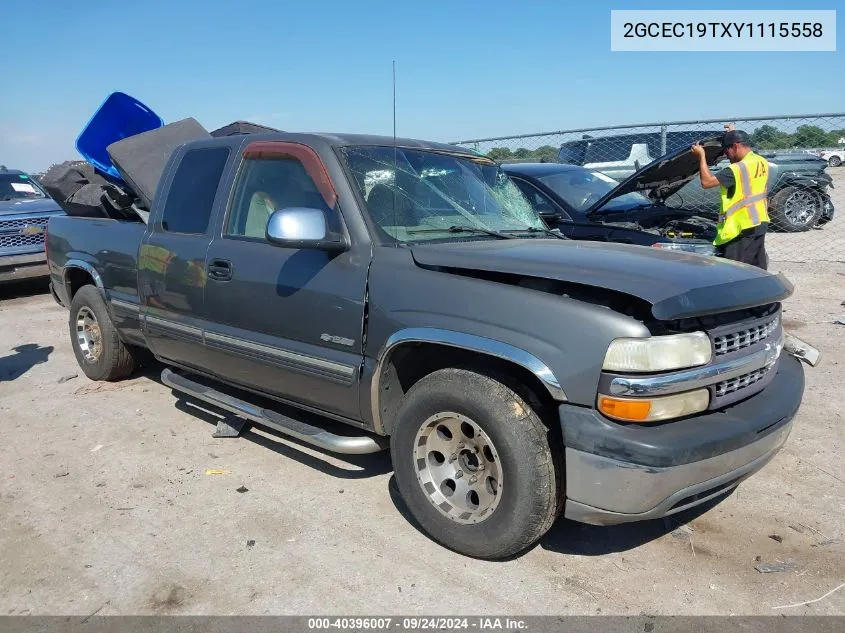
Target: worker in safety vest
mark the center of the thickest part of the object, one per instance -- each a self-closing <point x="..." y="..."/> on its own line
<point x="744" y="216"/>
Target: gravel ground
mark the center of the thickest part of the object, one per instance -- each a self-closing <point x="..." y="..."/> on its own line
<point x="106" y="507"/>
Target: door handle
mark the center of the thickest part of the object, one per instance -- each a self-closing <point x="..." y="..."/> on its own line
<point x="220" y="269"/>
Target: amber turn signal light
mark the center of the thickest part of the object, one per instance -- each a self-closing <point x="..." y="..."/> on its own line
<point x="631" y="410"/>
<point x="654" y="409"/>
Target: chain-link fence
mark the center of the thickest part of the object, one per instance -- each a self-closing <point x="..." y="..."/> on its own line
<point x="806" y="177"/>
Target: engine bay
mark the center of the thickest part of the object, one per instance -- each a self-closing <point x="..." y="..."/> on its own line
<point x="664" y="222"/>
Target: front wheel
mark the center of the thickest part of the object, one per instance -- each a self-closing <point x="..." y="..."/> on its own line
<point x="474" y="465"/>
<point x="795" y="209"/>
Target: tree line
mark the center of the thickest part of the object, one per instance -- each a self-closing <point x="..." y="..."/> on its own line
<point x="764" y="137"/>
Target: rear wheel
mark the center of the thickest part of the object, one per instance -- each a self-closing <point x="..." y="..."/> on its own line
<point x="795" y="209"/>
<point x="834" y="161"/>
<point x="474" y="464"/>
<point x="98" y="349"/>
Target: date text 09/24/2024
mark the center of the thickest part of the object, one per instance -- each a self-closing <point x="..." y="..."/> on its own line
<point x="417" y="623"/>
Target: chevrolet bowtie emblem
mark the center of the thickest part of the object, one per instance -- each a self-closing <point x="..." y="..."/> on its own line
<point x="32" y="229"/>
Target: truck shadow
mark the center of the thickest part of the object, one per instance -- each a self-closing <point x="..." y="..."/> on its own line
<point x="360" y="466"/>
<point x="23" y="358"/>
<point x="24" y="288"/>
<point x="579" y="539"/>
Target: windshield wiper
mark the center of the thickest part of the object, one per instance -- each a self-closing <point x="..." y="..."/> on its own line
<point x="537" y="229"/>
<point x="462" y="229"/>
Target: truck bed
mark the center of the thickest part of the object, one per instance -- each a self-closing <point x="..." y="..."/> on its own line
<point x="109" y="247"/>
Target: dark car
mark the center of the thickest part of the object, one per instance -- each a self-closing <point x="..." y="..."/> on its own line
<point x="586" y="204"/>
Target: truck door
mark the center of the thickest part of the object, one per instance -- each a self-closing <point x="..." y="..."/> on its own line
<point x="285" y="321"/>
<point x="171" y="260"/>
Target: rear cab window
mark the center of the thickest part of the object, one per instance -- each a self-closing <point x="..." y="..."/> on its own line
<point x="190" y="198"/>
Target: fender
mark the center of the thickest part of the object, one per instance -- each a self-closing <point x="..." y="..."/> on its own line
<point x="465" y="341"/>
<point x="816" y="181"/>
<point x="88" y="268"/>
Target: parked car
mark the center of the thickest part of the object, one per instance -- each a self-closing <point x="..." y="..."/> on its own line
<point x="834" y="157"/>
<point x="514" y="374"/>
<point x="798" y="185"/>
<point x="586" y="204"/>
<point x="25" y="210"/>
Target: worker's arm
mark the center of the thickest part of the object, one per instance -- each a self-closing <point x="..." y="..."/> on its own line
<point x="708" y="180"/>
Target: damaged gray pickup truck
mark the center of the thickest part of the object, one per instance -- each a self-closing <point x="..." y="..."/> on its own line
<point x="410" y="292"/>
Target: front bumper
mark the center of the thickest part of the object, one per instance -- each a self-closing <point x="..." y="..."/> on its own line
<point x="621" y="473"/>
<point x="16" y="267"/>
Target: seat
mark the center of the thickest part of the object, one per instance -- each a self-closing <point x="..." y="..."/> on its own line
<point x="261" y="207"/>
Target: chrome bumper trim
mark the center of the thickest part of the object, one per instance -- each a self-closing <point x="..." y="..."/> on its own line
<point x="23" y="266"/>
<point x="605" y="491"/>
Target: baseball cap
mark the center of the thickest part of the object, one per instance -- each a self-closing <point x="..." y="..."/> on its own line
<point x="735" y="136"/>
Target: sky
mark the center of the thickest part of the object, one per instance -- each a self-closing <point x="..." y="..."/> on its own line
<point x="465" y="69"/>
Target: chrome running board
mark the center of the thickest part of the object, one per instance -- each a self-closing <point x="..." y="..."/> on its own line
<point x="283" y="424"/>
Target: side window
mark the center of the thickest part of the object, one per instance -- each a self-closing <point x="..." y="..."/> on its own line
<point x="608" y="150"/>
<point x="191" y="196"/>
<point x="265" y="186"/>
<point x="572" y="152"/>
<point x="541" y="203"/>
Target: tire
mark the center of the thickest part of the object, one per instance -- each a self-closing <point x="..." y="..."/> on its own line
<point x="514" y="468"/>
<point x="795" y="209"/>
<point x="98" y="349"/>
<point x="834" y="161"/>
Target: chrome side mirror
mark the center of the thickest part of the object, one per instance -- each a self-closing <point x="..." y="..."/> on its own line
<point x="302" y="227"/>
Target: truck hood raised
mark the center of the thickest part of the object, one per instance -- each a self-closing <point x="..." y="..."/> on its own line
<point x="32" y="206"/>
<point x="677" y="285"/>
<point x="663" y="177"/>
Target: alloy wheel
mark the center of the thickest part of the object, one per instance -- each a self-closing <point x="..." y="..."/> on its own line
<point x="458" y="467"/>
<point x="89" y="337"/>
<point x="801" y="207"/>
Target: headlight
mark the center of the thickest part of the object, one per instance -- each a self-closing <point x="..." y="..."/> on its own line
<point x="654" y="409"/>
<point x="702" y="248"/>
<point x="658" y="353"/>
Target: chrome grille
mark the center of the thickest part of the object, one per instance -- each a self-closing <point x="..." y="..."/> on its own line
<point x="19" y="223"/>
<point x="19" y="239"/>
<point x="735" y="384"/>
<point x="740" y="339"/>
<point x="13" y="235"/>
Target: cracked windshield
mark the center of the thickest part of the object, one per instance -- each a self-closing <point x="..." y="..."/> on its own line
<point x="425" y="195"/>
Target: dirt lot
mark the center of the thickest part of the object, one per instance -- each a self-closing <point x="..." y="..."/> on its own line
<point x="105" y="506"/>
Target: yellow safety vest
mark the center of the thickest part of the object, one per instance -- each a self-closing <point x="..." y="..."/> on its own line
<point x="748" y="206"/>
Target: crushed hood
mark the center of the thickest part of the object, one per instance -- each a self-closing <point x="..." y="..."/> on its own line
<point x="666" y="175"/>
<point x="33" y="206"/>
<point x="676" y="284"/>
